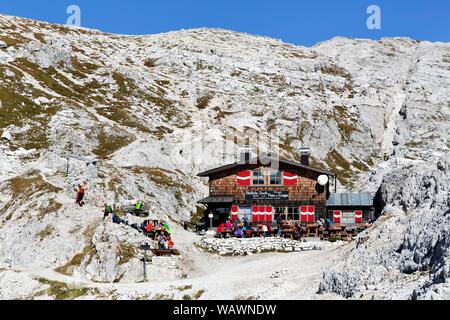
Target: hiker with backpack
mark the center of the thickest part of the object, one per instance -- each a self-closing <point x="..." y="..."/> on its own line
<point x="108" y="210"/>
<point x="80" y="190"/>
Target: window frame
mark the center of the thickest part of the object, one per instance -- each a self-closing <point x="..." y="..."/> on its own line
<point x="261" y="174"/>
<point x="265" y="175"/>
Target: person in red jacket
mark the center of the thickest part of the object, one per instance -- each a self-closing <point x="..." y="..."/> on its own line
<point x="80" y="195"/>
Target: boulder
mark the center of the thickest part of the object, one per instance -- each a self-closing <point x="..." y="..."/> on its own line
<point x="6" y="136"/>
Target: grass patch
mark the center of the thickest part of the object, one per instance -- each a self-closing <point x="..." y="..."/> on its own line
<point x="161" y="296"/>
<point x="184" y="288"/>
<point x="203" y="102"/>
<point x="61" y="291"/>
<point x="198" y="294"/>
<point x="126" y="253"/>
<point x="67" y="269"/>
<point x="51" y="207"/>
<point x="162" y="179"/>
<point x="150" y="62"/>
<point x="110" y="143"/>
<point x="335" y="70"/>
<point x="46" y="232"/>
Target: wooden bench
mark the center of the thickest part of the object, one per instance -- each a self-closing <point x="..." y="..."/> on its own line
<point x="165" y="252"/>
<point x="288" y="231"/>
<point x="143" y="212"/>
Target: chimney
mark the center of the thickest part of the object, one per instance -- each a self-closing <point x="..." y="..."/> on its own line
<point x="304" y="156"/>
<point x="246" y="153"/>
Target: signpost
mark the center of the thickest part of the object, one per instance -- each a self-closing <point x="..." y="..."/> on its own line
<point x="145" y="247"/>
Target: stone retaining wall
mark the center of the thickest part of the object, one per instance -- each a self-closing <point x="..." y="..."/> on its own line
<point x="237" y="247"/>
<point x="164" y="268"/>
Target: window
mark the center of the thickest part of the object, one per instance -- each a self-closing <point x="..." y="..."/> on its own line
<point x="258" y="178"/>
<point x="275" y="178"/>
<point x="294" y="213"/>
<point x="266" y="177"/>
<point x="245" y="212"/>
<point x="348" y="217"/>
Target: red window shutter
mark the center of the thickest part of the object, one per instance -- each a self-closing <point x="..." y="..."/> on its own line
<point x="243" y="178"/>
<point x="311" y="214"/>
<point x="262" y="214"/>
<point x="255" y="214"/>
<point x="358" y="216"/>
<point x="269" y="214"/>
<point x="304" y="214"/>
<point x="289" y="178"/>
<point x="337" y="216"/>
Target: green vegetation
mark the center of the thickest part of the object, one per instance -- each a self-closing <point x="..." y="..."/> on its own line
<point x="48" y="231"/>
<point x="337" y="163"/>
<point x="17" y="41"/>
<point x="110" y="143"/>
<point x="150" y="62"/>
<point x="196" y="217"/>
<point x="51" y="207"/>
<point x="61" y="291"/>
<point x="161" y="296"/>
<point x="162" y="179"/>
<point x="126" y="253"/>
<point x="203" y="102"/>
<point x="335" y="70"/>
<point x="67" y="269"/>
<point x="184" y="288"/>
<point x="222" y="114"/>
<point x="198" y="294"/>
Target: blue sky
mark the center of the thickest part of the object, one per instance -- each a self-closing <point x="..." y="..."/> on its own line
<point x="295" y="21"/>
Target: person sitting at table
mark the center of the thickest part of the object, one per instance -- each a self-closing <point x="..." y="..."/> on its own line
<point x="149" y="228"/>
<point x="245" y="223"/>
<point x="220" y="229"/>
<point x="269" y="230"/>
<point x="170" y="243"/>
<point x="288" y="222"/>
<point x="321" y="224"/>
<point x="279" y="221"/>
<point x="228" y="225"/>
<point x="298" y="231"/>
<point x="238" y="233"/>
<point x="162" y="241"/>
<point x="166" y="228"/>
<point x="264" y="230"/>
<point x="116" y="218"/>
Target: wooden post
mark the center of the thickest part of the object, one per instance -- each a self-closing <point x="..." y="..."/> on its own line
<point x="145" y="247"/>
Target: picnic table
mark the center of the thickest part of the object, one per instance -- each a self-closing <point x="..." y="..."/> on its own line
<point x="256" y="233"/>
<point x="312" y="228"/>
<point x="226" y="232"/>
<point x="165" y="252"/>
<point x="157" y="231"/>
<point x="335" y="231"/>
<point x="143" y="212"/>
<point x="288" y="231"/>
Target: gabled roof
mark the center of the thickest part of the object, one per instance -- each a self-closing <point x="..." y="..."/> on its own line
<point x="257" y="162"/>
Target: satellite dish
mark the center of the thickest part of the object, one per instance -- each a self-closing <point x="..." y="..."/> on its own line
<point x="323" y="180"/>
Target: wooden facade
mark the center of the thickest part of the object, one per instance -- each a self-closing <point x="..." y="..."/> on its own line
<point x="296" y="190"/>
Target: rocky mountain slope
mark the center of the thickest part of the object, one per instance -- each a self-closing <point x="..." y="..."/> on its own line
<point x="146" y="114"/>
